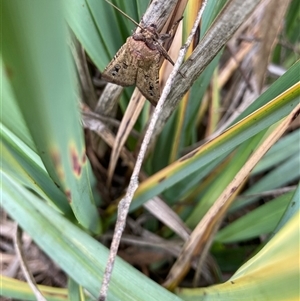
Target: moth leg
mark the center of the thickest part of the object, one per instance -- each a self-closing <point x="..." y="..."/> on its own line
<point x="174" y="26"/>
<point x="163" y="52"/>
<point x="165" y="36"/>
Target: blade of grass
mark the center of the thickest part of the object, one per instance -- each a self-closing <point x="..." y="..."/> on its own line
<point x="77" y="253"/>
<point x="39" y="68"/>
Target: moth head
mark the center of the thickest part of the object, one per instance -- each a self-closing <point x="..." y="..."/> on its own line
<point x="150" y="32"/>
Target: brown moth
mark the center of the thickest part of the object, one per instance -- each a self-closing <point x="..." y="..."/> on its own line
<point x="138" y="62"/>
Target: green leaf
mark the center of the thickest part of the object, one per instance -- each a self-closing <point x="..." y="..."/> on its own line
<point x="266" y="218"/>
<point x="274" y="179"/>
<point x="222" y="180"/>
<point x="77" y="253"/>
<point x="272" y="274"/>
<point x="279" y="152"/>
<point x="39" y="68"/>
<point x="95" y="22"/>
<point x="19" y="290"/>
<point x="263" y="118"/>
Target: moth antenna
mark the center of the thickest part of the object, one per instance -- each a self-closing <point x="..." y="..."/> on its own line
<point x="137" y="24"/>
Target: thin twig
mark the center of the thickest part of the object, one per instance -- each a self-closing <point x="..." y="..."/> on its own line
<point x="25" y="269"/>
<point x="268" y="193"/>
<point x="133" y="184"/>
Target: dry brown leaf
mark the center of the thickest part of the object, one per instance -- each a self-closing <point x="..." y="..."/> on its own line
<point x="270" y="24"/>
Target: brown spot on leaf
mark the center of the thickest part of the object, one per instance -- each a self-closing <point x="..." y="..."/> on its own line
<point x="233" y="189"/>
<point x="68" y="195"/>
<point x="56" y="159"/>
<point x="76" y="164"/>
<point x="9" y="71"/>
<point x="162" y="179"/>
<point x="83" y="158"/>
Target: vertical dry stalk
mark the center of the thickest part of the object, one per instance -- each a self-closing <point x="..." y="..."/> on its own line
<point x="133" y="184"/>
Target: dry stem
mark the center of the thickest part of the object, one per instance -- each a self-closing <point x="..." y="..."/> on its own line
<point x="133" y="185"/>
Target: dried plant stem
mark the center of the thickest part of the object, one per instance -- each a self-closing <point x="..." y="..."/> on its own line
<point x="28" y="276"/>
<point x="124" y="204"/>
<point x="234" y="13"/>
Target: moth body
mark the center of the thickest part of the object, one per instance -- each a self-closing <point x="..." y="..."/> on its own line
<point x="137" y="62"/>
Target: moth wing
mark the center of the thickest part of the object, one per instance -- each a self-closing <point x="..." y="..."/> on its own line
<point x="148" y="82"/>
<point x="121" y="70"/>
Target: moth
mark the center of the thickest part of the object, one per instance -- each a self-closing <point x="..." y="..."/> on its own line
<point x="138" y="62"/>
